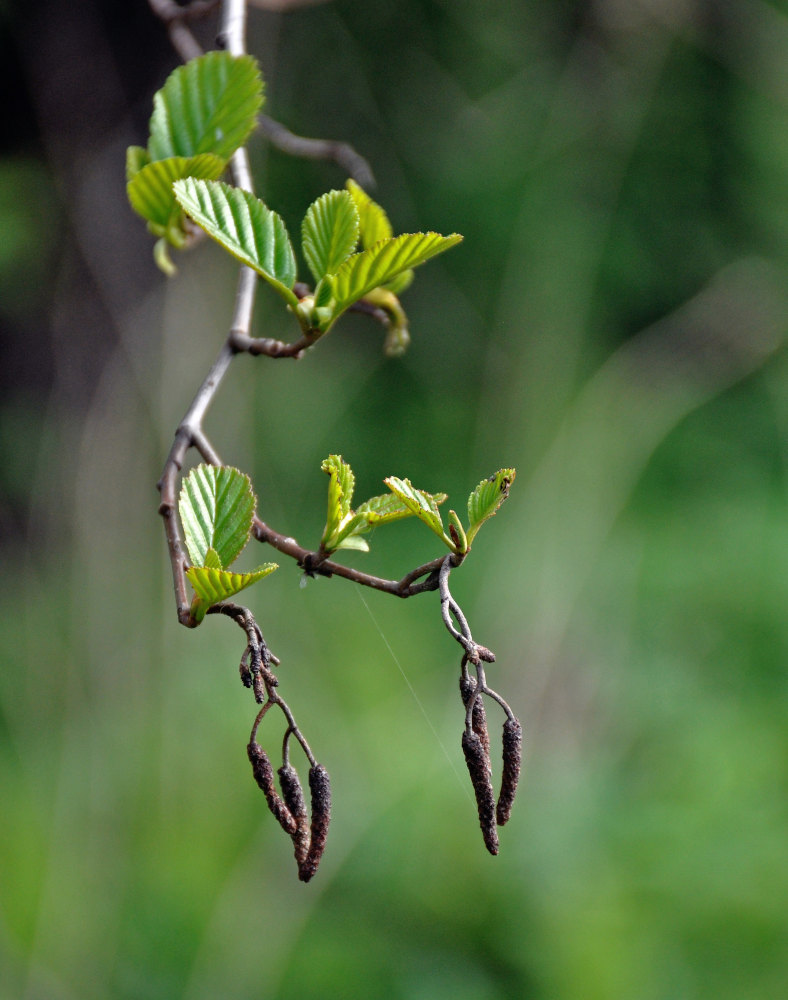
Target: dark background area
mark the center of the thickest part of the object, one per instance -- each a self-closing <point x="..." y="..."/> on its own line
<point x="613" y="325"/>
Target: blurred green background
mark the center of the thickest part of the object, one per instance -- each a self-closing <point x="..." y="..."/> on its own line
<point x="614" y="326"/>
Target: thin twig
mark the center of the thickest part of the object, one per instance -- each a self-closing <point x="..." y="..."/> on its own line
<point x="168" y="10"/>
<point x="342" y="153"/>
<point x="175" y="17"/>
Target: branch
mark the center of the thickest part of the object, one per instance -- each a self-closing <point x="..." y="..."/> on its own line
<point x="314" y="564"/>
<point x="175" y="17"/>
<point x="190" y="433"/>
<point x="341" y="153"/>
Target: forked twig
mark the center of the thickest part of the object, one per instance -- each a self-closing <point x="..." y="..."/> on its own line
<point x="475" y="737"/>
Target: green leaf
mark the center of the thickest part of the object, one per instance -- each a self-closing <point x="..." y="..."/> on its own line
<point x="150" y="189"/>
<point x="351" y="540"/>
<point x="217" y="509"/>
<point x="329" y="232"/>
<point x="340" y="497"/>
<point x="401" y="282"/>
<point x="423" y="505"/>
<point x="374" y="224"/>
<point x="210" y="105"/>
<point x="245" y="226"/>
<point x="384" y="261"/>
<point x="487" y="498"/>
<point x="382" y="509"/>
<point x="136" y="158"/>
<point x="212" y="585"/>
<point x="212" y="560"/>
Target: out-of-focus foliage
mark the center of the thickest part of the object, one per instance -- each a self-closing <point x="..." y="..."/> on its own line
<point x="613" y="325"/>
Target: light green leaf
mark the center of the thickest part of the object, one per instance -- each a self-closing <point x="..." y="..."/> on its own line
<point x="324" y="292"/>
<point x="329" y="232"/>
<point x="340" y="497"/>
<point x="381" y="510"/>
<point x="375" y="226"/>
<point x="487" y="498"/>
<point x="352" y="540"/>
<point x="384" y="261"/>
<point x="373" y="222"/>
<point x="136" y="158"/>
<point x="245" y="226"/>
<point x="212" y="560"/>
<point x="401" y="282"/>
<point x="150" y="189"/>
<point x="209" y="105"/>
<point x="212" y="585"/>
<point x="217" y="508"/>
<point x="377" y="510"/>
<point x="423" y="505"/>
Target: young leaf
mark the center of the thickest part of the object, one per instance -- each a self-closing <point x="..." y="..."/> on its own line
<point x="217" y="508"/>
<point x="384" y="261"/>
<point x="423" y="505"/>
<point x="209" y="105"/>
<point x="381" y="510"/>
<point x="403" y="280"/>
<point x="150" y="189"/>
<point x="373" y="222"/>
<point x="377" y="510"/>
<point x="136" y="158"/>
<point x="351" y="539"/>
<point x="487" y="498"/>
<point x="375" y="226"/>
<point x="329" y="232"/>
<point x="245" y="226"/>
<point x="340" y="497"/>
<point x="213" y="585"/>
<point x="212" y="560"/>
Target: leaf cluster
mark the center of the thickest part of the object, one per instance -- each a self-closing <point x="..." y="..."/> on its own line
<point x="217" y="507"/>
<point x="204" y="112"/>
<point x="330" y="234"/>
<point x="345" y="527"/>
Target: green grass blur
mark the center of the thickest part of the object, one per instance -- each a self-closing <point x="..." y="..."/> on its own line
<point x="613" y="326"/>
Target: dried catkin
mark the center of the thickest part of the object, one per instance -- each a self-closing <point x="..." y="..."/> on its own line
<point x="244" y="670"/>
<point x="264" y="776"/>
<point x="320" y="787"/>
<point x="293" y="795"/>
<point x="478" y="715"/>
<point x="512" y="755"/>
<point x="479" y="770"/>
